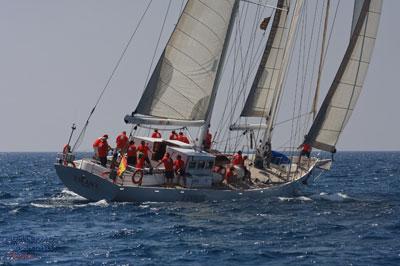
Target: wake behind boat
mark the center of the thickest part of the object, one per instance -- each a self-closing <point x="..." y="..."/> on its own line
<point x="181" y="93"/>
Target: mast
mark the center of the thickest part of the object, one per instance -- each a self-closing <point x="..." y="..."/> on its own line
<point x="271" y="117"/>
<point x="321" y="62"/>
<point x="204" y="127"/>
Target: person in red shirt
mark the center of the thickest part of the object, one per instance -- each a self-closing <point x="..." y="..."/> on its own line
<point x="183" y="138"/>
<point x="173" y="135"/>
<point x="169" y="168"/>
<point x="306" y="149"/>
<point x="131" y="152"/>
<point x="156" y="134"/>
<point x="101" y="148"/>
<point x="144" y="149"/>
<point x="208" y="140"/>
<point x="122" y="142"/>
<point x="229" y="175"/>
<point x="179" y="167"/>
<point x="238" y="159"/>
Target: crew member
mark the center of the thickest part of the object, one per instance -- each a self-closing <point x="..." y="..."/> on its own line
<point x="183" y="138"/>
<point x="144" y="149"/>
<point x="238" y="159"/>
<point x="179" y="167"/>
<point x="229" y="175"/>
<point x="208" y="140"/>
<point x="306" y="149"/>
<point x="169" y="168"/>
<point x="66" y="149"/>
<point x="131" y="153"/>
<point x="156" y="134"/>
<point x="122" y="142"/>
<point x="101" y="148"/>
<point x="173" y="135"/>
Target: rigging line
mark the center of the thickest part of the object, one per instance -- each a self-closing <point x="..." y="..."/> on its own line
<point x="290" y="119"/>
<point x="235" y="55"/>
<point x="112" y="75"/>
<point x="305" y="68"/>
<point x="263" y="5"/>
<point x="330" y="32"/>
<point x="158" y="43"/>
<point x="312" y="81"/>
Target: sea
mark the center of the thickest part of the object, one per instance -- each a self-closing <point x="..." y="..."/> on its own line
<point x="348" y="216"/>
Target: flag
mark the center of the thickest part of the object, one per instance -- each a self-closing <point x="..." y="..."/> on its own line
<point x="122" y="166"/>
<point x="264" y="23"/>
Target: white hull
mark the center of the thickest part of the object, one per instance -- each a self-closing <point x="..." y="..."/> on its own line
<point x="94" y="187"/>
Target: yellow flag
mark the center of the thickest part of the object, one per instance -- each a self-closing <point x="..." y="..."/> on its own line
<point x="122" y="166"/>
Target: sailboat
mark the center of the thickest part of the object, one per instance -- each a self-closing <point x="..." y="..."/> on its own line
<point x="182" y="91"/>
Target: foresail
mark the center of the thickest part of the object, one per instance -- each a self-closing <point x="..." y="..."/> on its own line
<point x="342" y="96"/>
<point x="260" y="99"/>
<point x="182" y="82"/>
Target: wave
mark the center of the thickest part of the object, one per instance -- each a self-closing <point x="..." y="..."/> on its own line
<point x="335" y="197"/>
<point x="300" y="198"/>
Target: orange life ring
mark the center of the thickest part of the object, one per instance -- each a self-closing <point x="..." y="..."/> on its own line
<point x="139" y="182"/>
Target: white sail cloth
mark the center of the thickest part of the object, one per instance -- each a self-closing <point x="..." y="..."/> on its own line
<point x="342" y="96"/>
<point x="180" y="87"/>
<point x="260" y="99"/>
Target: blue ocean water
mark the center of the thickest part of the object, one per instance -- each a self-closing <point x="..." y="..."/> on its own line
<point x="350" y="216"/>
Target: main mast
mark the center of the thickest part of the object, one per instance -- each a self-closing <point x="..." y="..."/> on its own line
<point x="204" y="127"/>
<point x="266" y="142"/>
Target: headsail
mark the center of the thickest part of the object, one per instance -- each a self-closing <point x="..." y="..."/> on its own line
<point x="346" y="87"/>
<point x="182" y="83"/>
<point x="259" y="101"/>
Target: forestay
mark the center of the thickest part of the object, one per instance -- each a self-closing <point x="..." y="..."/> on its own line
<point x="260" y="99"/>
<point x="342" y="96"/>
<point x="180" y="87"/>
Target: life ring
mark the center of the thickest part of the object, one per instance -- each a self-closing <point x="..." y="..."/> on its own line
<point x="138" y="182"/>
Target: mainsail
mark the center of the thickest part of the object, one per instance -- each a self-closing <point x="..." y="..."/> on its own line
<point x="342" y="96"/>
<point x="260" y="99"/>
<point x="182" y="83"/>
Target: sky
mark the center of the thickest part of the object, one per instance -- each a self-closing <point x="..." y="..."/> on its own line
<point x="56" y="56"/>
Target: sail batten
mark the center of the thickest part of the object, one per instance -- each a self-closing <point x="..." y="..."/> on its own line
<point x="182" y="83"/>
<point x="343" y="94"/>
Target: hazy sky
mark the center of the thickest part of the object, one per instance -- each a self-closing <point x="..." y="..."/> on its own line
<point x="55" y="56"/>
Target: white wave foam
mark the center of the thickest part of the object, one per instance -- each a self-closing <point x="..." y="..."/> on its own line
<point x="336" y="197"/>
<point x="300" y="198"/>
<point x="39" y="205"/>
<point x="101" y="203"/>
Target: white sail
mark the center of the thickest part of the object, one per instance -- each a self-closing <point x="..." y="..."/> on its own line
<point x="182" y="83"/>
<point x="346" y="87"/>
<point x="260" y="99"/>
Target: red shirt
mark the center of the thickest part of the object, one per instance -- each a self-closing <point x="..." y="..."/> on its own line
<point x="139" y="163"/>
<point x="208" y="140"/>
<point x="238" y="160"/>
<point x="102" y="148"/>
<point x="131" y="150"/>
<point x="307" y="147"/>
<point x="228" y="175"/>
<point x="143" y="149"/>
<point x="96" y="142"/>
<point x="156" y="135"/>
<point x="173" y="136"/>
<point x="168" y="163"/>
<point x="179" y="164"/>
<point x="183" y="138"/>
<point x="122" y="141"/>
